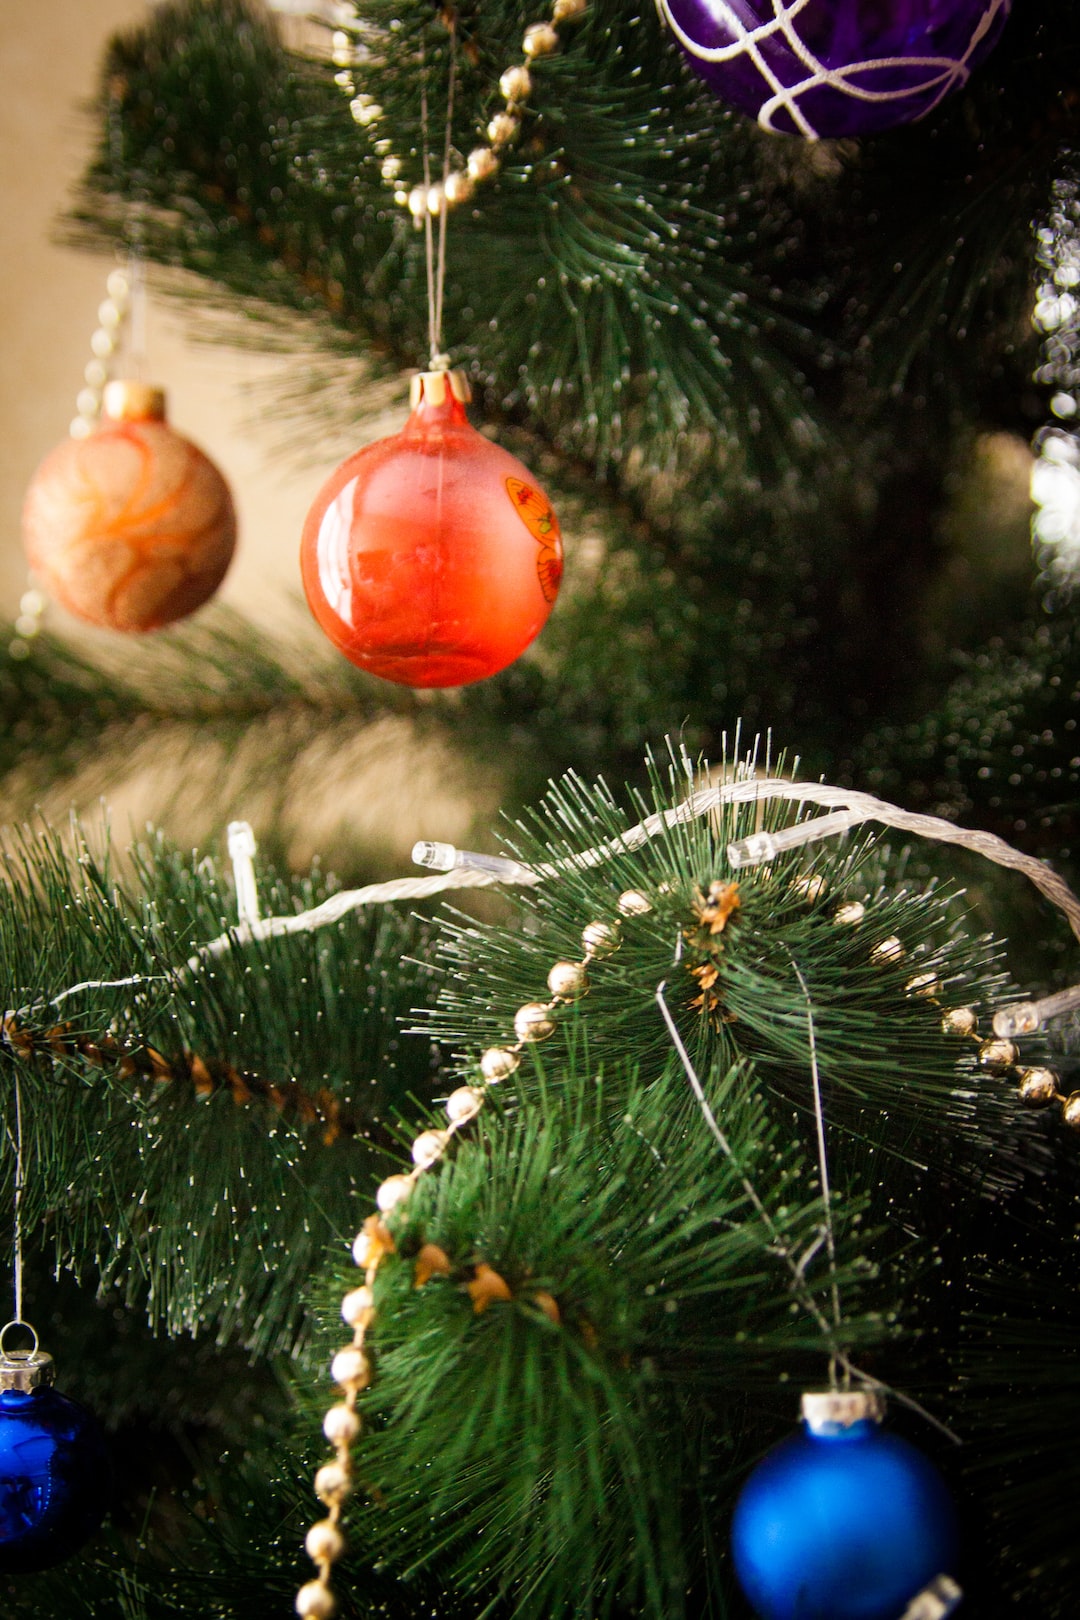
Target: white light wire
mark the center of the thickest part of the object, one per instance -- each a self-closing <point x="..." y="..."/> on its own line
<point x="242" y="854"/>
<point x="859" y="807"/>
<point x="494" y="870"/>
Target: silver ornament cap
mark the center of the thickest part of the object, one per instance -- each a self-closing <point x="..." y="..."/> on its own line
<point x="25" y="1370"/>
<point x="828" y="1410"/>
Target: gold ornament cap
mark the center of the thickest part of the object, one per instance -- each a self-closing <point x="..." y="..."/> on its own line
<point x="434" y="386"/>
<point x="825" y="1411"/>
<point x="126" y="400"/>
<point x="24" y="1370"/>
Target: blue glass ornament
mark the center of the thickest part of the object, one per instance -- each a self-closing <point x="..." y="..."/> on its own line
<point x="835" y="67"/>
<point x="55" y="1472"/>
<point x="843" y="1521"/>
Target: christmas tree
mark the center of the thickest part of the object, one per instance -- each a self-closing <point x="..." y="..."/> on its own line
<point x="697" y="1106"/>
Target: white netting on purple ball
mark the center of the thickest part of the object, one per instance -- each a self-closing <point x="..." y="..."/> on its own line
<point x="923" y="80"/>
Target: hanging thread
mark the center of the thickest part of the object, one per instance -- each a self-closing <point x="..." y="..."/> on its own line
<point x="823" y="1167"/>
<point x="438" y="358"/>
<point x="17" y="1320"/>
<point x="19" y="1179"/>
<point x="797" y="1268"/>
<point x="426" y="202"/>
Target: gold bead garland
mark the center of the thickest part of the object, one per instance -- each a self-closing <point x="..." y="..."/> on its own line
<point x="998" y="1055"/>
<point x="29" y="621"/>
<point x="352" y="1368"/>
<point x="959" y="1021"/>
<point x="515" y="86"/>
<point x="810" y="886"/>
<point x="632" y="903"/>
<point x="1037" y="1086"/>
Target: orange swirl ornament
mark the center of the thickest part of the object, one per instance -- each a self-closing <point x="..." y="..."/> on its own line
<point x="431" y="558"/>
<point x="132" y="527"/>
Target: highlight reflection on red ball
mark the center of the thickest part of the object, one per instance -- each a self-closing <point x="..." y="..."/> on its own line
<point x="431" y="558"/>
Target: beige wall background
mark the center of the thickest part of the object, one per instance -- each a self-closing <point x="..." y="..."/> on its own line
<point x="49" y="57"/>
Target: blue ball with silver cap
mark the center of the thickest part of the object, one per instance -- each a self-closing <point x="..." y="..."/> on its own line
<point x="843" y="1520"/>
<point x="55" y="1470"/>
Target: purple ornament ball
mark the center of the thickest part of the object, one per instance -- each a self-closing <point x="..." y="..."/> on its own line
<point x="835" y="67"/>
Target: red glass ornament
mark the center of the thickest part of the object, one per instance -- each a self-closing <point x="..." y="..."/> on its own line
<point x="132" y="527"/>
<point x="431" y="558"/>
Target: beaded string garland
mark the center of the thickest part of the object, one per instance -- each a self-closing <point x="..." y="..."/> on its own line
<point x="124" y="298"/>
<point x="457" y="184"/>
<point x="352" y="1367"/>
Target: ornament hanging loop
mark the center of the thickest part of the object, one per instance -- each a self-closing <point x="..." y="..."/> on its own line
<point x="9" y="1355"/>
<point x="23" y="1371"/>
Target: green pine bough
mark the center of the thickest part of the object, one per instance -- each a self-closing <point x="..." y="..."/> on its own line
<point x="595" y="1318"/>
<point x="763" y="362"/>
<point x="598" y="1312"/>
<point x="650" y="281"/>
<point x="193" y="1139"/>
<point x="607" y="283"/>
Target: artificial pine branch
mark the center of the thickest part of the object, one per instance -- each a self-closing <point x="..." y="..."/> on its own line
<point x="625" y="229"/>
<point x="675" y="249"/>
<point x="1028" y="1413"/>
<point x="738" y="987"/>
<point x="482" y="1319"/>
<point x="1002" y="739"/>
<point x="602" y="1333"/>
<point x="540" y="1438"/>
<point x="207" y="1201"/>
<point x="778" y="598"/>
